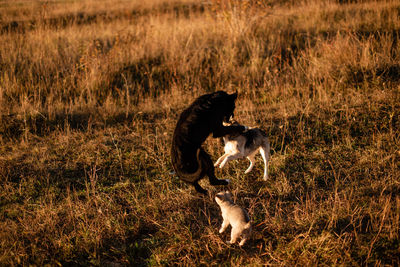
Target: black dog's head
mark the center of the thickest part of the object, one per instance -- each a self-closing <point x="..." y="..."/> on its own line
<point x="220" y="103"/>
<point x="230" y="107"/>
<point x="226" y="103"/>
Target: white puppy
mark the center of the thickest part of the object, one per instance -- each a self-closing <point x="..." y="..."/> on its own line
<point x="235" y="216"/>
<point x="246" y="144"/>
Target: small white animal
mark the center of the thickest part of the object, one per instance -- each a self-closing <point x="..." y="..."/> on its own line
<point x="246" y="144"/>
<point x="235" y="216"/>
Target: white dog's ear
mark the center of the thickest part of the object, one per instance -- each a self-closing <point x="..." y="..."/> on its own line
<point x="220" y="195"/>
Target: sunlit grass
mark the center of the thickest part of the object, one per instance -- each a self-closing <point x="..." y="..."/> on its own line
<point x="90" y="92"/>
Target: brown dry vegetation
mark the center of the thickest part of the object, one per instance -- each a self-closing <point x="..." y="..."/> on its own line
<point x="89" y="95"/>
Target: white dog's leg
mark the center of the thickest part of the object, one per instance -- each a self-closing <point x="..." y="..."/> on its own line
<point x="235" y="234"/>
<point x="229" y="158"/>
<point x="220" y="160"/>
<point x="252" y="159"/>
<point x="224" y="225"/>
<point x="265" y="155"/>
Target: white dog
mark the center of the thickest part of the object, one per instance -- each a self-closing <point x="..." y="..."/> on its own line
<point x="246" y="144"/>
<point x="235" y="216"/>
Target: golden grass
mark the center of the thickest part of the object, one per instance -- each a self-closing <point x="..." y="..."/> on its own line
<point x="90" y="92"/>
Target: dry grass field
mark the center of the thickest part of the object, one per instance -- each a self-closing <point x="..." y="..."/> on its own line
<point x="90" y="91"/>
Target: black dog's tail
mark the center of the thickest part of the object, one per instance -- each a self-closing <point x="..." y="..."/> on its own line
<point x="195" y="176"/>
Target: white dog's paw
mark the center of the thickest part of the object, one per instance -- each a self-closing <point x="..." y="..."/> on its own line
<point x="242" y="243"/>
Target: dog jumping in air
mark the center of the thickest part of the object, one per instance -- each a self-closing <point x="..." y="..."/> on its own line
<point x="246" y="144"/>
<point x="203" y="117"/>
<point x="235" y="216"/>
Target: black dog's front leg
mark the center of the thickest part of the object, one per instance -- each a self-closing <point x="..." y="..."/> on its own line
<point x="224" y="130"/>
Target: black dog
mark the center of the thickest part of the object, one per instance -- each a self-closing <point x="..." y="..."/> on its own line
<point x="203" y="117"/>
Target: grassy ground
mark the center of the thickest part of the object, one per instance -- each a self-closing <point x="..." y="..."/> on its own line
<point x="90" y="92"/>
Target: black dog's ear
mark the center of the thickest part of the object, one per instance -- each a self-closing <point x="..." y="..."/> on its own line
<point x="234" y="95"/>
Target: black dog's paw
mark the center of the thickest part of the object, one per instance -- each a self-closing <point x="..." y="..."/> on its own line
<point x="225" y="181"/>
<point x="220" y="182"/>
<point x="199" y="189"/>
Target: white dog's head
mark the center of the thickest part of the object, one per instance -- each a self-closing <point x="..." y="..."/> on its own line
<point x="231" y="122"/>
<point x="223" y="197"/>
